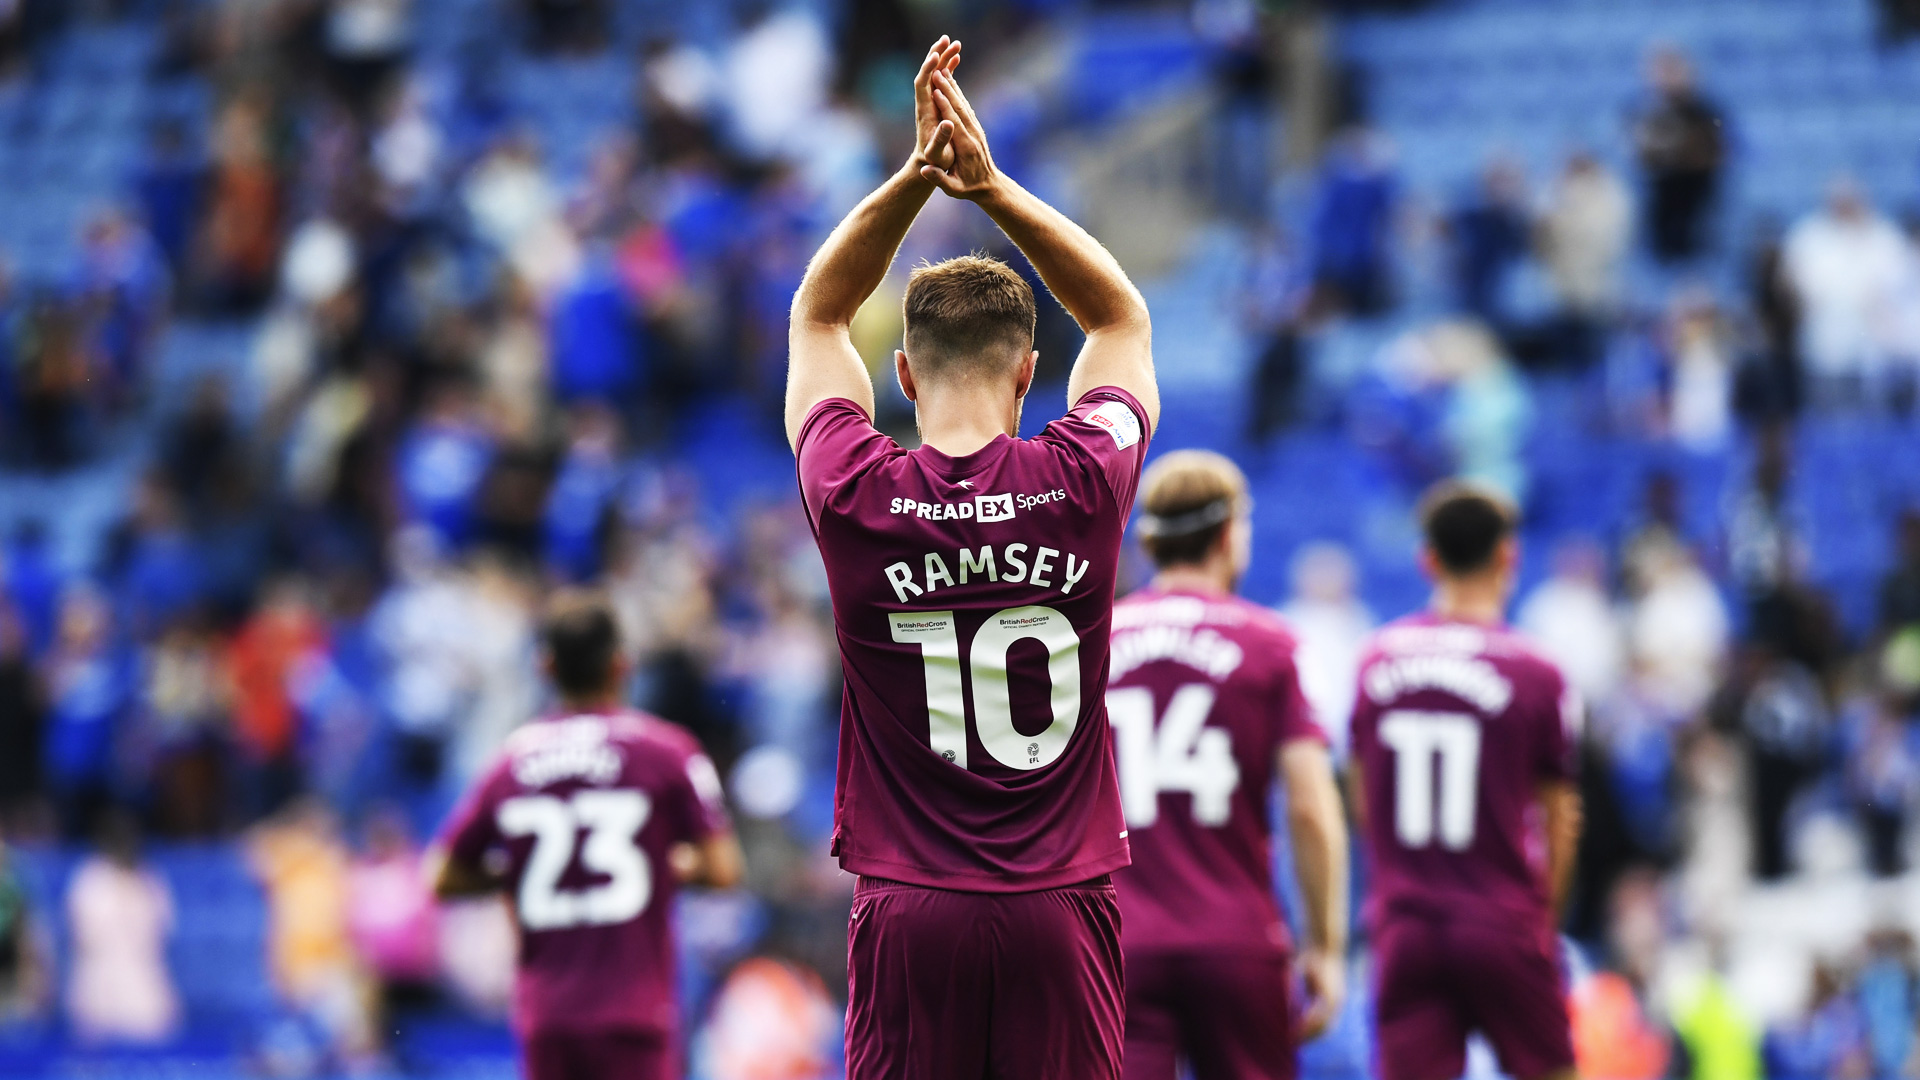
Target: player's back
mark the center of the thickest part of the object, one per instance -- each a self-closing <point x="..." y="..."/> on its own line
<point x="1203" y="692"/>
<point x="579" y="814"/>
<point x="1455" y="727"/>
<point x="972" y="600"/>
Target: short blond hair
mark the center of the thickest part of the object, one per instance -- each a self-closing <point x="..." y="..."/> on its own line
<point x="967" y="315"/>
<point x="1187" y="499"/>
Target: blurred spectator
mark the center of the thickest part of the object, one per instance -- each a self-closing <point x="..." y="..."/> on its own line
<point x="1772" y="384"/>
<point x="90" y="689"/>
<point x="365" y="41"/>
<point x="1490" y="235"/>
<point x="1243" y="129"/>
<point x="169" y="184"/>
<point x="1700" y="373"/>
<point x="1828" y="1040"/>
<point x="22" y="720"/>
<point x="1779" y="709"/>
<point x="1352" y="228"/>
<point x="1768" y="554"/>
<point x="1719" y="1039"/>
<point x="772" y="1020"/>
<point x="1682" y="146"/>
<point x="302" y="864"/>
<point x="1584" y="235"/>
<point x="244" y="216"/>
<point x="1330" y="625"/>
<point x="1882" y="775"/>
<point x="271" y="653"/>
<point x="1489" y="408"/>
<point x="1571" y="617"/>
<point x="441" y="463"/>
<point x="119" y="916"/>
<point x="23" y="968"/>
<point x="187" y="694"/>
<point x="1900" y="588"/>
<point x="774" y="81"/>
<point x="1612" y="1037"/>
<point x="1275" y="303"/>
<point x="391" y="915"/>
<point x="1677" y="625"/>
<point x="580" y="504"/>
<point x="1845" y="265"/>
<point x="1889" y="996"/>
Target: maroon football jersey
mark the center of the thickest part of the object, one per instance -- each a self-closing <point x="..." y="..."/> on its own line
<point x="1454" y="728"/>
<point x="579" y="814"/>
<point x="1203" y="693"/>
<point x="972" y="598"/>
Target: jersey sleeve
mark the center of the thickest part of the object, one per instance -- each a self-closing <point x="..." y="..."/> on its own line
<point x="1295" y="713"/>
<point x="472" y="829"/>
<point x="1560" y="730"/>
<point x="694" y="799"/>
<point x="1106" y="430"/>
<point x="837" y="443"/>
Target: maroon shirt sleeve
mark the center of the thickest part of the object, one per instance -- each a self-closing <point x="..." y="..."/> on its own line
<point x="837" y="443"/>
<point x="693" y="797"/>
<point x="1295" y="713"/>
<point x="1107" y="430"/>
<point x="1560" y="727"/>
<point x="472" y="829"/>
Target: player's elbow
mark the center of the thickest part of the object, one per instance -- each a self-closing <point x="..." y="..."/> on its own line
<point x="722" y="865"/>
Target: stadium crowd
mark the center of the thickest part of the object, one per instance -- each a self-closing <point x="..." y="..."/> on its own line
<point x="469" y="381"/>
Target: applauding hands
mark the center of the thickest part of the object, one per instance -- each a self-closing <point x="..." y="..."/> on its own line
<point x="952" y="149"/>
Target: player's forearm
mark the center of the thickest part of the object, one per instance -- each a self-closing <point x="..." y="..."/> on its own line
<point x="1077" y="269"/>
<point x="851" y="264"/>
<point x="1318" y="832"/>
<point x="1562" y="814"/>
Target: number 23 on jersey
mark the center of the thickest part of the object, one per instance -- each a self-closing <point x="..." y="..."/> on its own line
<point x="611" y="821"/>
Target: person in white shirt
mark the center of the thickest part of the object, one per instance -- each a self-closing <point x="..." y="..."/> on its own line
<point x="1845" y="263"/>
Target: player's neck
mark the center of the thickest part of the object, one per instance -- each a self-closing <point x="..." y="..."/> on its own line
<point x="1480" y="600"/>
<point x="1207" y="577"/>
<point x="591" y="705"/>
<point x="959" y="421"/>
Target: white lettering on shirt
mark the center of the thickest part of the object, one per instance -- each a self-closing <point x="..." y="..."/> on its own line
<point x="1468" y="678"/>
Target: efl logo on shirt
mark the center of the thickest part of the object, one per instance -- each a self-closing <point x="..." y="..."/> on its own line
<point x="1119" y="422"/>
<point x="992" y="507"/>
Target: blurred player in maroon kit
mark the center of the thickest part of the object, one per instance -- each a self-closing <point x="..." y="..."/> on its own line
<point x="972" y="582"/>
<point x="590" y="820"/>
<point x="1206" y="709"/>
<point x="1464" y="738"/>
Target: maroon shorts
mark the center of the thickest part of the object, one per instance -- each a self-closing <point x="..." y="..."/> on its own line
<point x="1436" y="981"/>
<point x="598" y="1055"/>
<point x="967" y="986"/>
<point x="1228" y="1015"/>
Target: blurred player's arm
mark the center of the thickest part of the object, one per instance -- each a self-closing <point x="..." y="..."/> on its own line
<point x="715" y="862"/>
<point x="451" y="878"/>
<point x="1080" y="273"/>
<point x="1561" y="811"/>
<point x="1317" y="828"/>
<point x="821" y="360"/>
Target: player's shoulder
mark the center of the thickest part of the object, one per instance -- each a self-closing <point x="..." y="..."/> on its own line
<point x="650" y="733"/>
<point x="1525" y="660"/>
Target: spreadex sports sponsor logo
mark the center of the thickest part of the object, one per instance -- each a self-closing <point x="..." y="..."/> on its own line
<point x="982" y="508"/>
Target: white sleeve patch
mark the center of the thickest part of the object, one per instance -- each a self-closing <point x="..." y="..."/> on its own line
<point x="1119" y="422"/>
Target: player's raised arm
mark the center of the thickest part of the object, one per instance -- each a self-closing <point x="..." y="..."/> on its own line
<point x="1080" y="273"/>
<point x="821" y="360"/>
